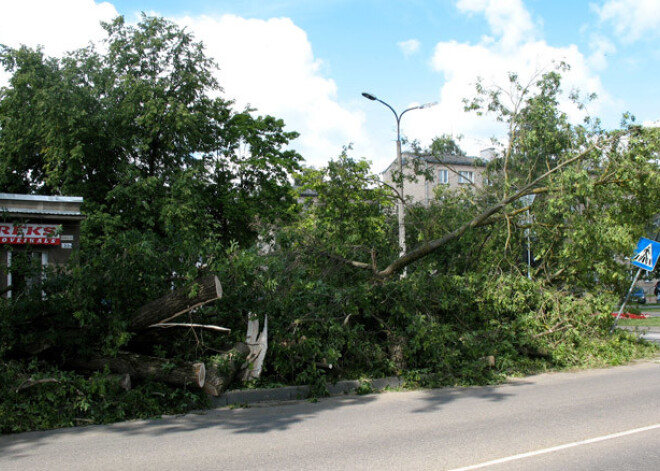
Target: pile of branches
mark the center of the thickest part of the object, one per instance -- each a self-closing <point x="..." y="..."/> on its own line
<point x="244" y="358"/>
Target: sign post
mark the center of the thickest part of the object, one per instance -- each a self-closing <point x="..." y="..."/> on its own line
<point x="645" y="258"/>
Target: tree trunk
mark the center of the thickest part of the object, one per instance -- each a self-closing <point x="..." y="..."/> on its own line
<point x="222" y="371"/>
<point x="176" y="303"/>
<point x="139" y="366"/>
<point x="395" y="348"/>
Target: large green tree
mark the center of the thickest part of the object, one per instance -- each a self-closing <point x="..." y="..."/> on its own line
<point x="170" y="171"/>
<point x="143" y="108"/>
<point x="466" y="311"/>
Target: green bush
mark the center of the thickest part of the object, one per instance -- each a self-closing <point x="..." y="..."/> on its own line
<point x="37" y="396"/>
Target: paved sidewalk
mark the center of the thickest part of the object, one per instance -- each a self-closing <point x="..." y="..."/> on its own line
<point x="650" y="333"/>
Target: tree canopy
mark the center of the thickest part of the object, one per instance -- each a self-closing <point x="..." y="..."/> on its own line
<point x="170" y="172"/>
<point x="124" y="124"/>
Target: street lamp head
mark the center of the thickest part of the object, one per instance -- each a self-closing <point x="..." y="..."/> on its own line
<point x="428" y="105"/>
<point x="369" y="96"/>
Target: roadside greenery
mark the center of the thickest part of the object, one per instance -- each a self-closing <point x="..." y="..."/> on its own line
<point x="648" y="322"/>
<point x="39" y="396"/>
<point x="177" y="182"/>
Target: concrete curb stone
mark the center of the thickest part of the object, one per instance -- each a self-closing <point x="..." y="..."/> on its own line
<point x="243" y="397"/>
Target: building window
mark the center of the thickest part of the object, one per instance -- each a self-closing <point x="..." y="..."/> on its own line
<point x="443" y="177"/>
<point x="25" y="269"/>
<point x="465" y="176"/>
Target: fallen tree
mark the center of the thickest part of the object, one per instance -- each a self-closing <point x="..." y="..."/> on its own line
<point x="152" y="319"/>
<point x="145" y="367"/>
<point x="204" y="290"/>
<point x="483" y="218"/>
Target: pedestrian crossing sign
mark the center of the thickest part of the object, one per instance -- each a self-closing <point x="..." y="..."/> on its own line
<point x="646" y="254"/>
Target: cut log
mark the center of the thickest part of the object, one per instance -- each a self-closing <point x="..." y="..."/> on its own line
<point x="140" y="366"/>
<point x="224" y="368"/>
<point x="176" y="303"/>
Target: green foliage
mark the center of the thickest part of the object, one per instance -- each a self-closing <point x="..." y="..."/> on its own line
<point x="440" y="326"/>
<point x="169" y="172"/>
<point x="138" y="128"/>
<point x="350" y="213"/>
<point x="445" y="145"/>
<point x="36" y="396"/>
<point x="364" y="388"/>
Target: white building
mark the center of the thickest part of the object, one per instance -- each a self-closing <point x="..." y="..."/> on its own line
<point x="453" y="171"/>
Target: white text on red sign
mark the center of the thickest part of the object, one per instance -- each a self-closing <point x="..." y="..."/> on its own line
<point x="36" y="234"/>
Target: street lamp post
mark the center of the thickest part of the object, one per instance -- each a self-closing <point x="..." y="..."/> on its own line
<point x="400" y="205"/>
<point x="527" y="201"/>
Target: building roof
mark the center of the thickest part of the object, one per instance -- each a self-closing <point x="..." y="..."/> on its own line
<point x="57" y="207"/>
<point x="453" y="159"/>
<point x="41" y="198"/>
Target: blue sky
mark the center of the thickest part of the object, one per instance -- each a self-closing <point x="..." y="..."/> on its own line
<point x="307" y="61"/>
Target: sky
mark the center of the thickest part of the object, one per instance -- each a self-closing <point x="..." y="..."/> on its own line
<point x="308" y="61"/>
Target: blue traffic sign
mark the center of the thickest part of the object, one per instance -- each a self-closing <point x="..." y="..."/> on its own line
<point x="646" y="254"/>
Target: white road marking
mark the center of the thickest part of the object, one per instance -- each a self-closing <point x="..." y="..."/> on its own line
<point x="557" y="448"/>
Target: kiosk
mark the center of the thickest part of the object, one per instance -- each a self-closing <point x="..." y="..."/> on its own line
<point x="38" y="230"/>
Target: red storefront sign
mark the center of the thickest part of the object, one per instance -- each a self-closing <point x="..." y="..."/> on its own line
<point x="34" y="234"/>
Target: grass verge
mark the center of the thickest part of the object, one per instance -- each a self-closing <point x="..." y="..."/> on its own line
<point x="649" y="322"/>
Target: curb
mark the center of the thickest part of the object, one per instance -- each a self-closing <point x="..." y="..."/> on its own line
<point x="650" y="333"/>
<point x="243" y="397"/>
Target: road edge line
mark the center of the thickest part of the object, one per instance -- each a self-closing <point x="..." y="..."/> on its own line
<point x="557" y="448"/>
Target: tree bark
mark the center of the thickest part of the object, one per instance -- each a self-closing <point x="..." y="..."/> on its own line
<point x="176" y="303"/>
<point x="222" y="371"/>
<point x="140" y="366"/>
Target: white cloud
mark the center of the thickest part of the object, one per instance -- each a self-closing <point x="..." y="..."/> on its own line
<point x="270" y="65"/>
<point x="409" y="47"/>
<point x="600" y="47"/>
<point x="508" y="19"/>
<point x="57" y="26"/>
<point x="514" y="49"/>
<point x="632" y="19"/>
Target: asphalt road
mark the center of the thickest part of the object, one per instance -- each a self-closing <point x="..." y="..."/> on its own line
<point x="589" y="420"/>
